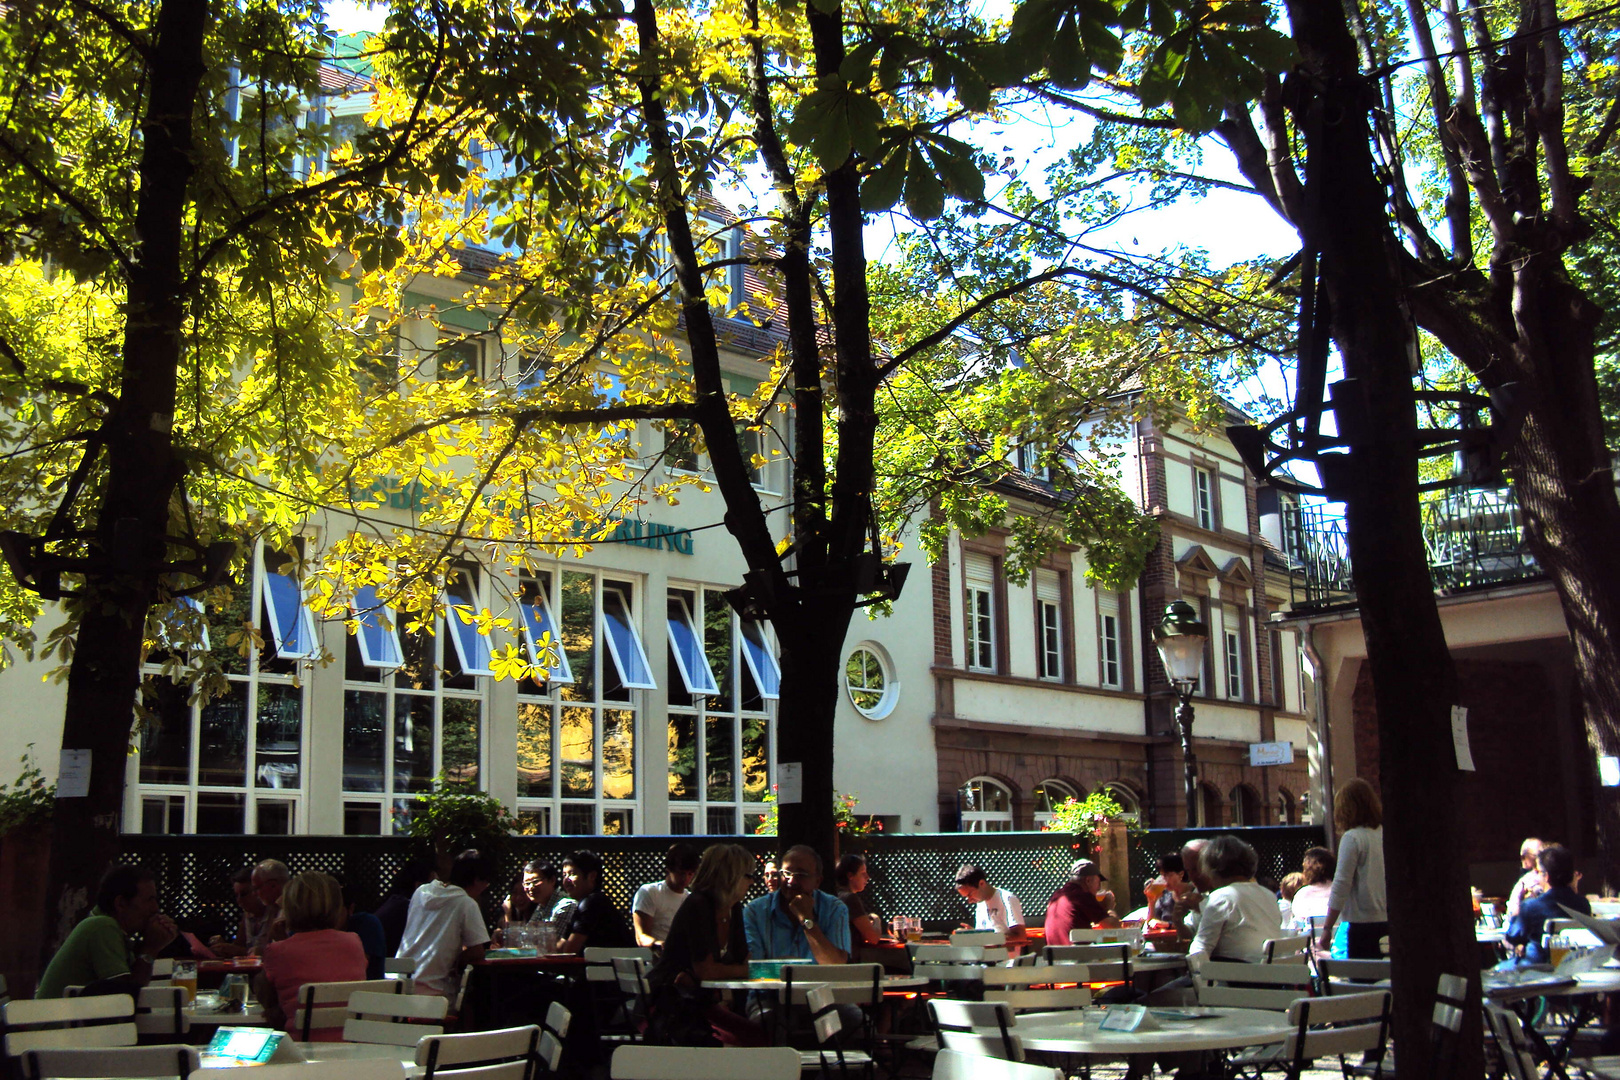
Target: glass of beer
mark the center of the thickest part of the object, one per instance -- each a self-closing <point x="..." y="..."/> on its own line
<point x="185" y="977"/>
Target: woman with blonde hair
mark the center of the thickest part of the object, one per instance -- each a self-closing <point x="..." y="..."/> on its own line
<point x="1357" y="893"/>
<point x="706" y="941"/>
<point x="316" y="950"/>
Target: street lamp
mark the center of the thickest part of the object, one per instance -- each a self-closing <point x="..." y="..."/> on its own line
<point x="1180" y="638"/>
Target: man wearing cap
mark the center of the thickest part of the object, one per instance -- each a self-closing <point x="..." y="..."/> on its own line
<point x="1075" y="905"/>
<point x="993" y="908"/>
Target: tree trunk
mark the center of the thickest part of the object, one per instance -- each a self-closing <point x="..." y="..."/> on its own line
<point x="811" y="655"/>
<point x="133" y="517"/>
<point x="1414" y="680"/>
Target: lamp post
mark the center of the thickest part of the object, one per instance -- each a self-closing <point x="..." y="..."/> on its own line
<point x="1180" y="638"/>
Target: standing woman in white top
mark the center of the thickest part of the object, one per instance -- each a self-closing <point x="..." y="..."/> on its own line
<point x="1357" y="895"/>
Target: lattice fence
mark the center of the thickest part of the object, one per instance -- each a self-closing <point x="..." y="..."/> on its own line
<point x="912" y="873"/>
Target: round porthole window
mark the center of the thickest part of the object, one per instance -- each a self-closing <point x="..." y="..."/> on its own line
<point x="869" y="680"/>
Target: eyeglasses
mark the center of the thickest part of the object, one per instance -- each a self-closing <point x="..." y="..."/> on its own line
<point x="798" y="875"/>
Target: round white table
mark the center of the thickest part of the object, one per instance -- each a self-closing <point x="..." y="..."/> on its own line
<point x="890" y="982"/>
<point x="252" y="1016"/>
<point x="1080" y="1032"/>
<point x="346" y="1051"/>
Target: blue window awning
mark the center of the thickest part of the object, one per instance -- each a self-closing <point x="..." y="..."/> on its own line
<point x="624" y="644"/>
<point x="686" y="645"/>
<point x="537" y="623"/>
<point x="761" y="661"/>
<point x="379" y="631"/>
<point x="460" y="619"/>
<point x="292" y="627"/>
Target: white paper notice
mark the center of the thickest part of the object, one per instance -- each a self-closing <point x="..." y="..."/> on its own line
<point x="1459" y="738"/>
<point x="73" y="775"/>
<point x="789" y="782"/>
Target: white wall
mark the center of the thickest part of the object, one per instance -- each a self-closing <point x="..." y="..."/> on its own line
<point x="33" y="709"/>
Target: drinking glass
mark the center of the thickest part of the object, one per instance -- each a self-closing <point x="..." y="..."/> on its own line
<point x="185" y="977"/>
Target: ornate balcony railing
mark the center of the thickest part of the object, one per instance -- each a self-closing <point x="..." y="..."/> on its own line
<point x="1473" y="538"/>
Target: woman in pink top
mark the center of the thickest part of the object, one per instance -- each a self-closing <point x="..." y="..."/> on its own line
<point x="1311" y="901"/>
<point x="315" y="952"/>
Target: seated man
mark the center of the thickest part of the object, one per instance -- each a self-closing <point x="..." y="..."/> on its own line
<point x="798" y="922"/>
<point x="1075" y="905"/>
<point x="269" y="878"/>
<point x="1557" y="868"/>
<point x="656" y="903"/>
<point x="993" y="908"/>
<point x="99" y="948"/>
<point x="444" y="929"/>
<point x="594" y="923"/>
<point x="250" y="927"/>
<point x="551" y="904"/>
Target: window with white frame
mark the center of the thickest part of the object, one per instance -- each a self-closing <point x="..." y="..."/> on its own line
<point x="415" y="693"/>
<point x="986" y="806"/>
<point x="1129" y="804"/>
<point x="1049" y="795"/>
<point x="980" y="611"/>
<point x="1204" y="498"/>
<point x="720" y="740"/>
<point x="460" y="356"/>
<point x="232" y="764"/>
<point x="1110" y="672"/>
<point x="576" y="757"/>
<point x="869" y="680"/>
<point x="1049" y="625"/>
<point x="1234" y="659"/>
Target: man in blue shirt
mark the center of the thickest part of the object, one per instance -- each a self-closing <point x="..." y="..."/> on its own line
<point x="1558" y="868"/>
<point x="798" y="921"/>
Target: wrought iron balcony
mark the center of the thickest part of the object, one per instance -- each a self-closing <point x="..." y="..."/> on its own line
<point x="1474" y="538"/>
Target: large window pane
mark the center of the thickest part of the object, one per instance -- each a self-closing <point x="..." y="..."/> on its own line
<point x="683" y="781"/>
<point x="618" y="754"/>
<point x="222" y="757"/>
<point x="534" y="749"/>
<point x="579" y="635"/>
<point x="579" y="819"/>
<point x="227" y="628"/>
<point x="278" y="728"/>
<point x="755" y="757"/>
<point x="413" y="743"/>
<point x="362" y="819"/>
<point x="365" y="729"/>
<point x="276" y="818"/>
<point x="420" y="656"/>
<point x="578" y="751"/>
<point x="717" y="646"/>
<point x="718" y="756"/>
<point x="220" y="812"/>
<point x="459" y="754"/>
<point x="166" y="734"/>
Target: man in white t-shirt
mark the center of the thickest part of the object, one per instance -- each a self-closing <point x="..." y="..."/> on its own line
<point x="993" y="908"/>
<point x="444" y="930"/>
<point x="656" y="903"/>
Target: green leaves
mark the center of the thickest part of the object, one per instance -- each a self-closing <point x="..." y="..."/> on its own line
<point x="923" y="166"/>
<point x="836" y="121"/>
<point x="1068" y="38"/>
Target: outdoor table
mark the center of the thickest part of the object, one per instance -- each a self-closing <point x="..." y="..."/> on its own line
<point x="252" y="1016"/>
<point x="890" y="982"/>
<point x="1518" y="987"/>
<point x="211" y="973"/>
<point x="347" y="1051"/>
<point x="1080" y="1032"/>
<point x="500" y="979"/>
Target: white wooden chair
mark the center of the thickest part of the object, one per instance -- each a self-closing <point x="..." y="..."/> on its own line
<point x="1349" y="976"/>
<point x="163" y="968"/>
<point x="1033" y="987"/>
<point x="631" y="974"/>
<point x="81" y="1023"/>
<point x="1108" y="963"/>
<point x="393" y="1019"/>
<point x="977" y="938"/>
<point x="160" y="1014"/>
<point x="1518" y="1059"/>
<point x="1293" y="949"/>
<point x="614" y="1022"/>
<point x="1450" y="999"/>
<point x="1327" y="1027"/>
<point x="831" y="1052"/>
<point x="1260" y="986"/>
<point x="121" y="1061"/>
<point x="966" y="1026"/>
<point x="948" y="962"/>
<point x="705" y="1063"/>
<point x="455" y="1055"/>
<point x="1105" y="935"/>
<point x="954" y="1065"/>
<point x="802" y="978"/>
<point x="402" y="968"/>
<point x="339" y="1069"/>
<point x="557" y="1019"/>
<point x="323" y="1006"/>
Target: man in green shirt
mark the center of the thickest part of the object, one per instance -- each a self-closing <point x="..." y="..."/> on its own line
<point x="99" y="947"/>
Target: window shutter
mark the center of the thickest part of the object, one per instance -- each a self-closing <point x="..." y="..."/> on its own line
<point x="978" y="570"/>
<point x="1107" y="603"/>
<point x="1046" y="587"/>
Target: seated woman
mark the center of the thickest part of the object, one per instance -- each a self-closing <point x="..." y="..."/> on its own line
<point x="316" y="950"/>
<point x="853" y="877"/>
<point x="706" y="941"/>
<point x="1311" y="901"/>
<point x="1557" y="868"/>
<point x="1238" y="916"/>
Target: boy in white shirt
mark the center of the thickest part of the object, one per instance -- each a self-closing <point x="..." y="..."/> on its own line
<point x="445" y="928"/>
<point x="993" y="908"/>
<point x="656" y="903"/>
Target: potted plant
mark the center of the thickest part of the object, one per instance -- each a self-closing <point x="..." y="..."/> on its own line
<point x="1099" y="828"/>
<point x="455" y="816"/>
